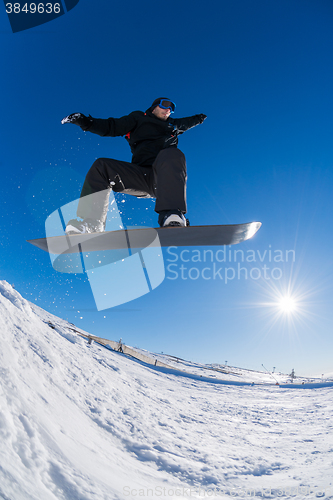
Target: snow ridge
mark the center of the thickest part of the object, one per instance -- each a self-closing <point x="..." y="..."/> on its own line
<point x="7" y="292"/>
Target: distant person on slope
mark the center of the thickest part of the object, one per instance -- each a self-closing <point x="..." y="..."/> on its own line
<point x="158" y="167"/>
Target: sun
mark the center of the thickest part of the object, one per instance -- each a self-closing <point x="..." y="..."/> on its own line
<point x="285" y="307"/>
<point x="287" y="304"/>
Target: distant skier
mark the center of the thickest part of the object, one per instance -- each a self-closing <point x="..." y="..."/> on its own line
<point x="158" y="167"/>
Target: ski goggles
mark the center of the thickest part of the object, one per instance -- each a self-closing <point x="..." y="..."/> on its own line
<point x="165" y="104"/>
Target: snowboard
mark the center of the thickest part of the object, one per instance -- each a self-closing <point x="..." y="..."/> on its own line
<point x="173" y="236"/>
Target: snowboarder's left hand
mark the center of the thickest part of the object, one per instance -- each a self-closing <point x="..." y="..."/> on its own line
<point x="78" y="119"/>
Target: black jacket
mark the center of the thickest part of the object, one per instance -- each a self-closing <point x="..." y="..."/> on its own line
<point x="146" y="134"/>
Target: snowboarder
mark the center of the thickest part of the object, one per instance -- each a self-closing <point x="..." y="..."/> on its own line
<point x="158" y="167"/>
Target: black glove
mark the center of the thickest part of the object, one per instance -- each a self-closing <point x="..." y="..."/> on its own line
<point x="78" y="119"/>
<point x="202" y="118"/>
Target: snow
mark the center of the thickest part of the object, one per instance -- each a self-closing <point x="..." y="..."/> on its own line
<point x="79" y="421"/>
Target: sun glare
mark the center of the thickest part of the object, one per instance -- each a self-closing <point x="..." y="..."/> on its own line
<point x="287" y="304"/>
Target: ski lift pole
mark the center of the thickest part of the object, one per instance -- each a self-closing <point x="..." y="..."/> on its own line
<point x="269" y="373"/>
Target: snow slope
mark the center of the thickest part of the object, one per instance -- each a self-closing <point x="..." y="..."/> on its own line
<point x="81" y="422"/>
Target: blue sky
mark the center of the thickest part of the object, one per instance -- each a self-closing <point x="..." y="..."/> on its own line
<point x="261" y="70"/>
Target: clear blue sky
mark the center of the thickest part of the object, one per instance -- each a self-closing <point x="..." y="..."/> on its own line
<point x="261" y="70"/>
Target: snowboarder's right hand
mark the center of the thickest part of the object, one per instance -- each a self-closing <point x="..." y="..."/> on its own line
<point x="78" y="119"/>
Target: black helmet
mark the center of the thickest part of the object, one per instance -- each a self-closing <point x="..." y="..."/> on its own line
<point x="164" y="102"/>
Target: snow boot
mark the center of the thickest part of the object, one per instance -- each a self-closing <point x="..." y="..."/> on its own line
<point x="75" y="226"/>
<point x="172" y="218"/>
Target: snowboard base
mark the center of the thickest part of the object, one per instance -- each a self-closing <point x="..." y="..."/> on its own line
<point x="217" y="235"/>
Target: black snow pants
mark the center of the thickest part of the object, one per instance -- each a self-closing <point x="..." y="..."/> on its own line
<point x="165" y="181"/>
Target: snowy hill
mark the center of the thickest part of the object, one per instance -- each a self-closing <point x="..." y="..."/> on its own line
<point x="79" y="421"/>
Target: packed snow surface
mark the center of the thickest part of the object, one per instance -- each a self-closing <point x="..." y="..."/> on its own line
<point x="79" y="421"/>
